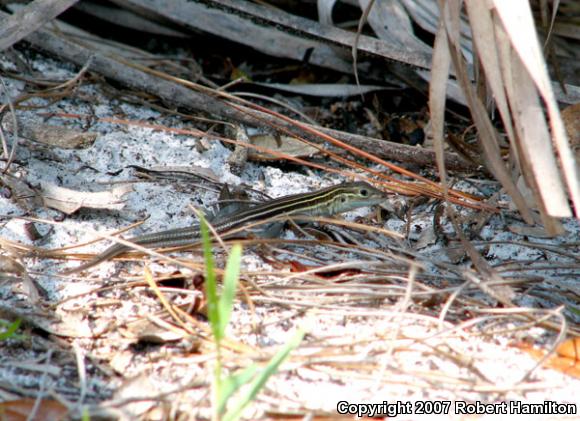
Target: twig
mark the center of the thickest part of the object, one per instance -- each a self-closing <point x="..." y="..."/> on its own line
<point x="204" y="99"/>
<point x="14" y="128"/>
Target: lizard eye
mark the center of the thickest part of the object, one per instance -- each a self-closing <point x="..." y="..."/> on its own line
<point x="364" y="192"/>
<point x="343" y="199"/>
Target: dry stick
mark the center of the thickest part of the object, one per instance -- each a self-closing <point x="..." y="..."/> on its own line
<point x="28" y="19"/>
<point x="401" y="153"/>
<point x="398" y="186"/>
<point x="401" y="186"/>
<point x="329" y="34"/>
<point x="241" y="109"/>
<point x="503" y="293"/>
<point x="176" y="95"/>
<point x="317" y="133"/>
<point x="356" y="145"/>
<point x="82" y="373"/>
<point x="90" y="40"/>
<point x="196" y="132"/>
<point x="196" y="17"/>
<point x="187" y="15"/>
<point x="128" y="19"/>
<point x="285" y="124"/>
<point x="9" y="156"/>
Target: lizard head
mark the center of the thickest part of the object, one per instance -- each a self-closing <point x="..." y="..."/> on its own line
<point x="350" y="196"/>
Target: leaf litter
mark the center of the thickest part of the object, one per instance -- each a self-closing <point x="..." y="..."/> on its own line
<point x="393" y="323"/>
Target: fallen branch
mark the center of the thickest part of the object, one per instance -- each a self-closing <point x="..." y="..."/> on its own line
<point x="175" y="94"/>
<point x="210" y="16"/>
<point x="28" y="19"/>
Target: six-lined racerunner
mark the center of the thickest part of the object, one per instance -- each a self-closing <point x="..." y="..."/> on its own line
<point x="326" y="202"/>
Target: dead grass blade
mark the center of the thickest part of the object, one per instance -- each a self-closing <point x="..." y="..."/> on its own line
<point x="527" y="61"/>
<point x="437" y="95"/>
<point x="516" y="75"/>
<point x="166" y="304"/>
<point x="489" y="138"/>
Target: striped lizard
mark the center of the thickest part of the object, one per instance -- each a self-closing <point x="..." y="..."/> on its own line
<point x="326" y="202"/>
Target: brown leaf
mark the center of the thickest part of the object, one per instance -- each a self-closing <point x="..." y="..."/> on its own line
<point x="69" y="201"/>
<point x="281" y="144"/>
<point x="20" y="409"/>
<point x="570" y="349"/>
<point x="566" y="359"/>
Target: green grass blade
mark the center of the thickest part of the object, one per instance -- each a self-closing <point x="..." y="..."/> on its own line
<point x="210" y="282"/>
<point x="10" y="330"/>
<point x="231" y="275"/>
<point x="260" y="380"/>
<point x="232" y="384"/>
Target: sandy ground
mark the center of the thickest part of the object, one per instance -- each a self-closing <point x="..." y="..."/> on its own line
<point x="367" y="341"/>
